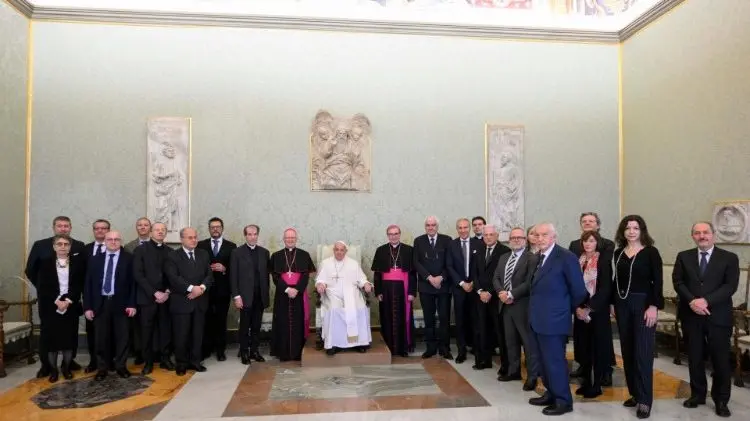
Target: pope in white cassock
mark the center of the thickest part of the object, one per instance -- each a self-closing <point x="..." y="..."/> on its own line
<point x="345" y="316"/>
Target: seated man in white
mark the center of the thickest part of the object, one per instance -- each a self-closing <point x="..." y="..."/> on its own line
<point x="346" y="318"/>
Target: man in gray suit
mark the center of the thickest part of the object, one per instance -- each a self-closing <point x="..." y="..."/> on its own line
<point x="143" y="228"/>
<point x="512" y="280"/>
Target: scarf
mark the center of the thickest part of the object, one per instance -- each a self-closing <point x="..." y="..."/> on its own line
<point x="589" y="266"/>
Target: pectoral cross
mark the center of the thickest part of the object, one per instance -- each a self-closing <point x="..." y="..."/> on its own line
<point x="336" y="278"/>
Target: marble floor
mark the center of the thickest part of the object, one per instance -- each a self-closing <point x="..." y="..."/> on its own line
<point x="407" y="389"/>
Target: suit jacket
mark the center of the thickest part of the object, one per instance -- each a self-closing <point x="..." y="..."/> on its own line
<point x="716" y="285"/>
<point x="48" y="288"/>
<point x="243" y="272"/>
<point x="221" y="287"/>
<point x="608" y="246"/>
<point x="484" y="270"/>
<point x="182" y="273"/>
<point x="556" y="290"/>
<point x="124" y="296"/>
<point x="602" y="297"/>
<point x="148" y="271"/>
<point x="520" y="281"/>
<point x="457" y="261"/>
<point x="432" y="261"/>
<point x="42" y="249"/>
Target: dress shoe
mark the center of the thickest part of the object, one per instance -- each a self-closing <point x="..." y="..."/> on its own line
<point x="481" y="365"/>
<point x="544" y="400"/>
<point x="221" y="356"/>
<point x="693" y="402"/>
<point x="502" y="371"/>
<point x="74" y="366"/>
<point x="630" y="403"/>
<point x="589" y="392"/>
<point x="428" y="354"/>
<point x="557" y="409"/>
<point x="54" y="376"/>
<point x="245" y="358"/>
<point x="198" y="367"/>
<point x="509" y="377"/>
<point x="123" y="372"/>
<point x="257" y="357"/>
<point x="90" y="368"/>
<point x="330" y="352"/>
<point x="180" y="370"/>
<point x="722" y="410"/>
<point x="460" y="358"/>
<point x="166" y="364"/>
<point x="148" y="368"/>
<point x="447" y="355"/>
<point x="65" y="370"/>
<point x="361" y="349"/>
<point x="43" y="372"/>
<point x="643" y="412"/>
<point x="530" y="384"/>
<point x="100" y="375"/>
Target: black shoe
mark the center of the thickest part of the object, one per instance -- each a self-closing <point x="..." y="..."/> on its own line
<point x="166" y="364"/>
<point x="502" y="371"/>
<point x="43" y="372"/>
<point x="530" y="384"/>
<point x="428" y="354"/>
<point x="589" y="392"/>
<point x="90" y="368"/>
<point x="693" y="402"/>
<point x="74" y="366"/>
<point x="361" y="349"/>
<point x="544" y="400"/>
<point x="447" y="355"/>
<point x="221" y="356"/>
<point x="461" y="358"/>
<point x="180" y="370"/>
<point x="100" y="375"/>
<point x="54" y="375"/>
<point x="509" y="377"/>
<point x="557" y="409"/>
<point x="630" y="403"/>
<point x="198" y="367"/>
<point x="481" y="365"/>
<point x="148" y="368"/>
<point x="65" y="370"/>
<point x="244" y="358"/>
<point x="123" y="372"/>
<point x="722" y="410"/>
<point x="643" y="412"/>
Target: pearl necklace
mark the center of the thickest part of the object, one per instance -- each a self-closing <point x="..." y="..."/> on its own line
<point x="630" y="274"/>
<point x="62" y="263"/>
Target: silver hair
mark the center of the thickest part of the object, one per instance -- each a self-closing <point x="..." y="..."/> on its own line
<point x="437" y="221"/>
<point x="492" y="227"/>
<point x="550" y="225"/>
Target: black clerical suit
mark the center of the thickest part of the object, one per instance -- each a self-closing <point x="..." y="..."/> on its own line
<point x="460" y="256"/>
<point x="40" y="251"/>
<point x="486" y="326"/>
<point x="186" y="270"/>
<point x="154" y="318"/>
<point x="215" y="332"/>
<point x="108" y="298"/>
<point x="250" y="280"/>
<point x="713" y="277"/>
<point x="430" y="258"/>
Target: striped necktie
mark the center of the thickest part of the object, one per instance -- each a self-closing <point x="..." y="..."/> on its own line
<point x="509" y="271"/>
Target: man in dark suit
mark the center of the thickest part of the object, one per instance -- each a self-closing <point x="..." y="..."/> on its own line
<point x="100" y="228"/>
<point x="220" y="250"/>
<point x="705" y="279"/>
<point x="152" y="298"/>
<point x="250" y="285"/>
<point x="485" y="323"/>
<point x="512" y="282"/>
<point x="41" y="250"/>
<point x="108" y="301"/>
<point x="460" y="255"/>
<point x="189" y="275"/>
<point x="590" y="221"/>
<point x="430" y="261"/>
<point x="557" y="288"/>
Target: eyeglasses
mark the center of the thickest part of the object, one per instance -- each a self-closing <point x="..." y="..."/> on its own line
<point x="62" y="244"/>
<point x="517" y="238"/>
<point x="114" y="240"/>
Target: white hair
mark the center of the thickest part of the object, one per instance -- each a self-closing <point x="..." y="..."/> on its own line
<point x="437" y="221"/>
<point x="550" y="225"/>
<point x="490" y="226"/>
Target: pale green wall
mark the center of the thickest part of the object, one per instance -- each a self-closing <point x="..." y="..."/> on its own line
<point x="686" y="99"/>
<point x="14" y="46"/>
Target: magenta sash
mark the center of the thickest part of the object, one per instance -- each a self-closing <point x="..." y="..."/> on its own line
<point x="291" y="279"/>
<point x="398" y="275"/>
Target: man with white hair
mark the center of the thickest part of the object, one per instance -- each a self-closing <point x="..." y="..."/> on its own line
<point x="346" y="318"/>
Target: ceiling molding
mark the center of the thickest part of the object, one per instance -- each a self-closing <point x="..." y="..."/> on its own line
<point x="23" y="6"/>
<point x="647" y="18"/>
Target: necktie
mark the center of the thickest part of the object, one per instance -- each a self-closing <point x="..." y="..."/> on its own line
<point x="465" y="250"/>
<point x="704" y="262"/>
<point x="509" y="272"/>
<point x="108" y="275"/>
<point x="489" y="253"/>
<point x="432" y="242"/>
<point x="190" y="256"/>
<point x="99" y="249"/>
<point x="539" y="261"/>
<point x="215" y="250"/>
<point x="141" y="242"/>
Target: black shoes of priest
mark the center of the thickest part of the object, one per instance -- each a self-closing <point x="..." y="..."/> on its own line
<point x="481" y="365"/>
<point x="509" y="377"/>
<point x="721" y="409"/>
<point x="589" y="392"/>
<point x="245" y="358"/>
<point x="461" y="357"/>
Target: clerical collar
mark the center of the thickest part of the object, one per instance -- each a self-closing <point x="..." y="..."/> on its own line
<point x="395" y="245"/>
<point x="251" y="246"/>
<point x="157" y="244"/>
<point x="290" y="248"/>
<point x="143" y="240"/>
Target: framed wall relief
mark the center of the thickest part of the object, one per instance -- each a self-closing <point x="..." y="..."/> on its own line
<point x="730" y="219"/>
<point x="340" y="153"/>
<point x="168" y="173"/>
<point x="504" y="177"/>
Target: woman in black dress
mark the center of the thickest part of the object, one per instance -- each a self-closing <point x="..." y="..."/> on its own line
<point x="59" y="295"/>
<point x="637" y="298"/>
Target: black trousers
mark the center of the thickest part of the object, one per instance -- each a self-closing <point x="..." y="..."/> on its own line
<point x="156" y="331"/>
<point x="436" y="338"/>
<point x="463" y="309"/>
<point x="637" y="344"/>
<point x="702" y="334"/>
<point x="111" y="327"/>
<point x="90" y="343"/>
<point x="188" y="337"/>
<point x="215" y="334"/>
<point x="593" y="353"/>
<point x="251" y="319"/>
<point x="488" y="332"/>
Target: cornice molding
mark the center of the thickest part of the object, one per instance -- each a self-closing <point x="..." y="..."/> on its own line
<point x="41" y="13"/>
<point x="23" y="6"/>
<point x="647" y="18"/>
